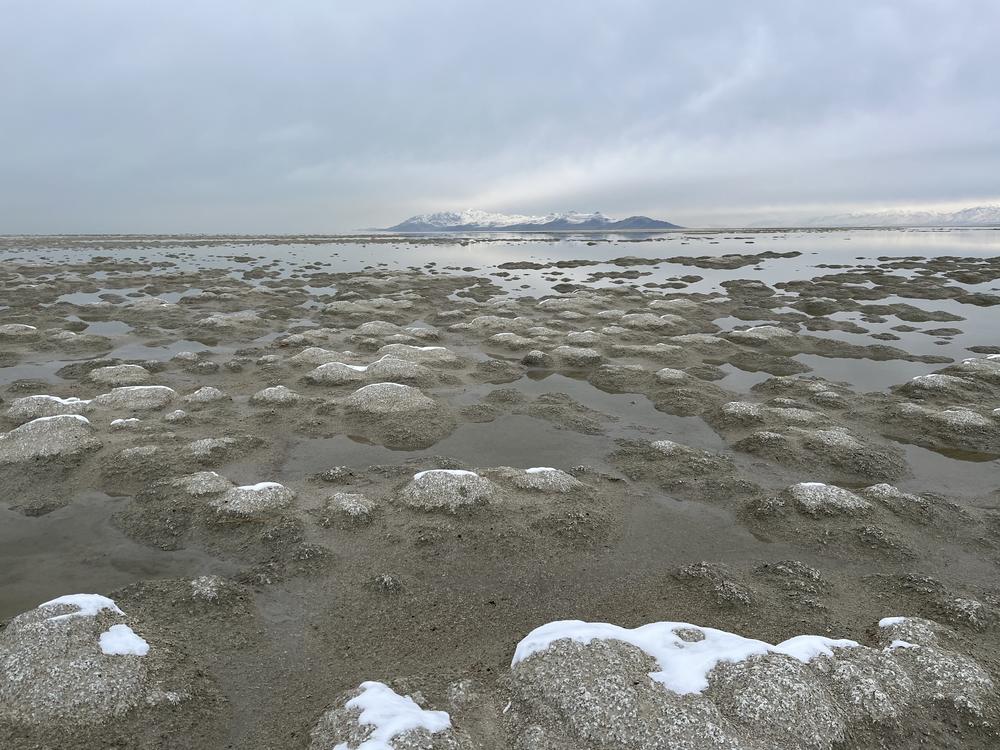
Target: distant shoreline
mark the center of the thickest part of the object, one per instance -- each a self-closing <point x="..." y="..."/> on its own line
<point x="484" y="232"/>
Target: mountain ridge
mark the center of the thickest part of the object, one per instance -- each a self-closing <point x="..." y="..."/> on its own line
<point x="474" y="220"/>
<point x="972" y="216"/>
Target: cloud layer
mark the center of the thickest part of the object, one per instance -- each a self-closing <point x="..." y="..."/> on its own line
<point x="312" y="116"/>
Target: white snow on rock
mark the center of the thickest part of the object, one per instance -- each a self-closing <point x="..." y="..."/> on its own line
<point x="42" y="405"/>
<point x="87" y="605"/>
<point x="816" y="497"/>
<point x="541" y="479"/>
<point x="386" y="368"/>
<point x="58" y="418"/>
<point x="888" y="622"/>
<point x="315" y="355"/>
<point x="390" y="715"/>
<point x="124" y="424"/>
<point x="447" y="489"/>
<point x="675" y="685"/>
<point x="683" y="663"/>
<point x="202" y="483"/>
<point x="121" y="640"/>
<point x="72" y="660"/>
<point x="449" y="472"/>
<point x="253" y="499"/>
<point x="60" y="436"/>
<point x="15" y="330"/>
<point x="335" y="373"/>
<point x="437" y="355"/>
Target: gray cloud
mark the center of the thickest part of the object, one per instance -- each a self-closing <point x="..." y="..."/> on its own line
<point x="320" y="115"/>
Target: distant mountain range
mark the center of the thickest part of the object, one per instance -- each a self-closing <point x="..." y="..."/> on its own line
<point x="976" y="216"/>
<point x="484" y="221"/>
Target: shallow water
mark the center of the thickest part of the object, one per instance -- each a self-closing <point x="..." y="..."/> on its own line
<point x="79" y="548"/>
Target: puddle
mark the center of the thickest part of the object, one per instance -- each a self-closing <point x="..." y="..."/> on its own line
<point x="637" y="417"/>
<point x="865" y="375"/>
<point x="136" y="350"/>
<point x="934" y="472"/>
<point x="740" y="381"/>
<point x="78" y="548"/>
<point x="514" y="440"/>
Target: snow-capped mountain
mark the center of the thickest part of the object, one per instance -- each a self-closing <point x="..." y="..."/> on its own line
<point x="975" y="216"/>
<point x="473" y="220"/>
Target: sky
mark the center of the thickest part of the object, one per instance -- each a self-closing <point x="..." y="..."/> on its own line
<point x="255" y="116"/>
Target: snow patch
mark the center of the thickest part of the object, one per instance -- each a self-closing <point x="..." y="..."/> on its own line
<point x="391" y="715"/>
<point x="888" y="622"/>
<point x="78" y="417"/>
<point x="377" y="386"/>
<point x="121" y="640"/>
<point x="260" y="486"/>
<point x="450" y="472"/>
<point x="87" y="605"/>
<point x="684" y="664"/>
<point x="72" y="400"/>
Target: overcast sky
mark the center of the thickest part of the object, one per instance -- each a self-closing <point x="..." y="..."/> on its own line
<point x="320" y="115"/>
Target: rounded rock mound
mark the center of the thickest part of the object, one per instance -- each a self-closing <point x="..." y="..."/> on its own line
<point x="375" y="717"/>
<point x="671" y="684"/>
<point x="136" y="398"/>
<point x="427" y="355"/>
<point x="72" y="659"/>
<point x="26" y="408"/>
<point x="447" y="489"/>
<point x="277" y="395"/>
<point x="253" y="499"/>
<point x="817" y="498"/>
<point x="388" y="398"/>
<point x="118" y="375"/>
<point x="335" y="373"/>
<point x="541" y="479"/>
<point x="206" y="395"/>
<point x="66" y="436"/>
<point x="15" y="331"/>
<point x="202" y="483"/>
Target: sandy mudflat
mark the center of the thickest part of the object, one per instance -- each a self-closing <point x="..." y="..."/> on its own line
<point x="310" y="477"/>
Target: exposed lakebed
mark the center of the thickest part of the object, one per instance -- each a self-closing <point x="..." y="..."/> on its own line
<point x="316" y="475"/>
